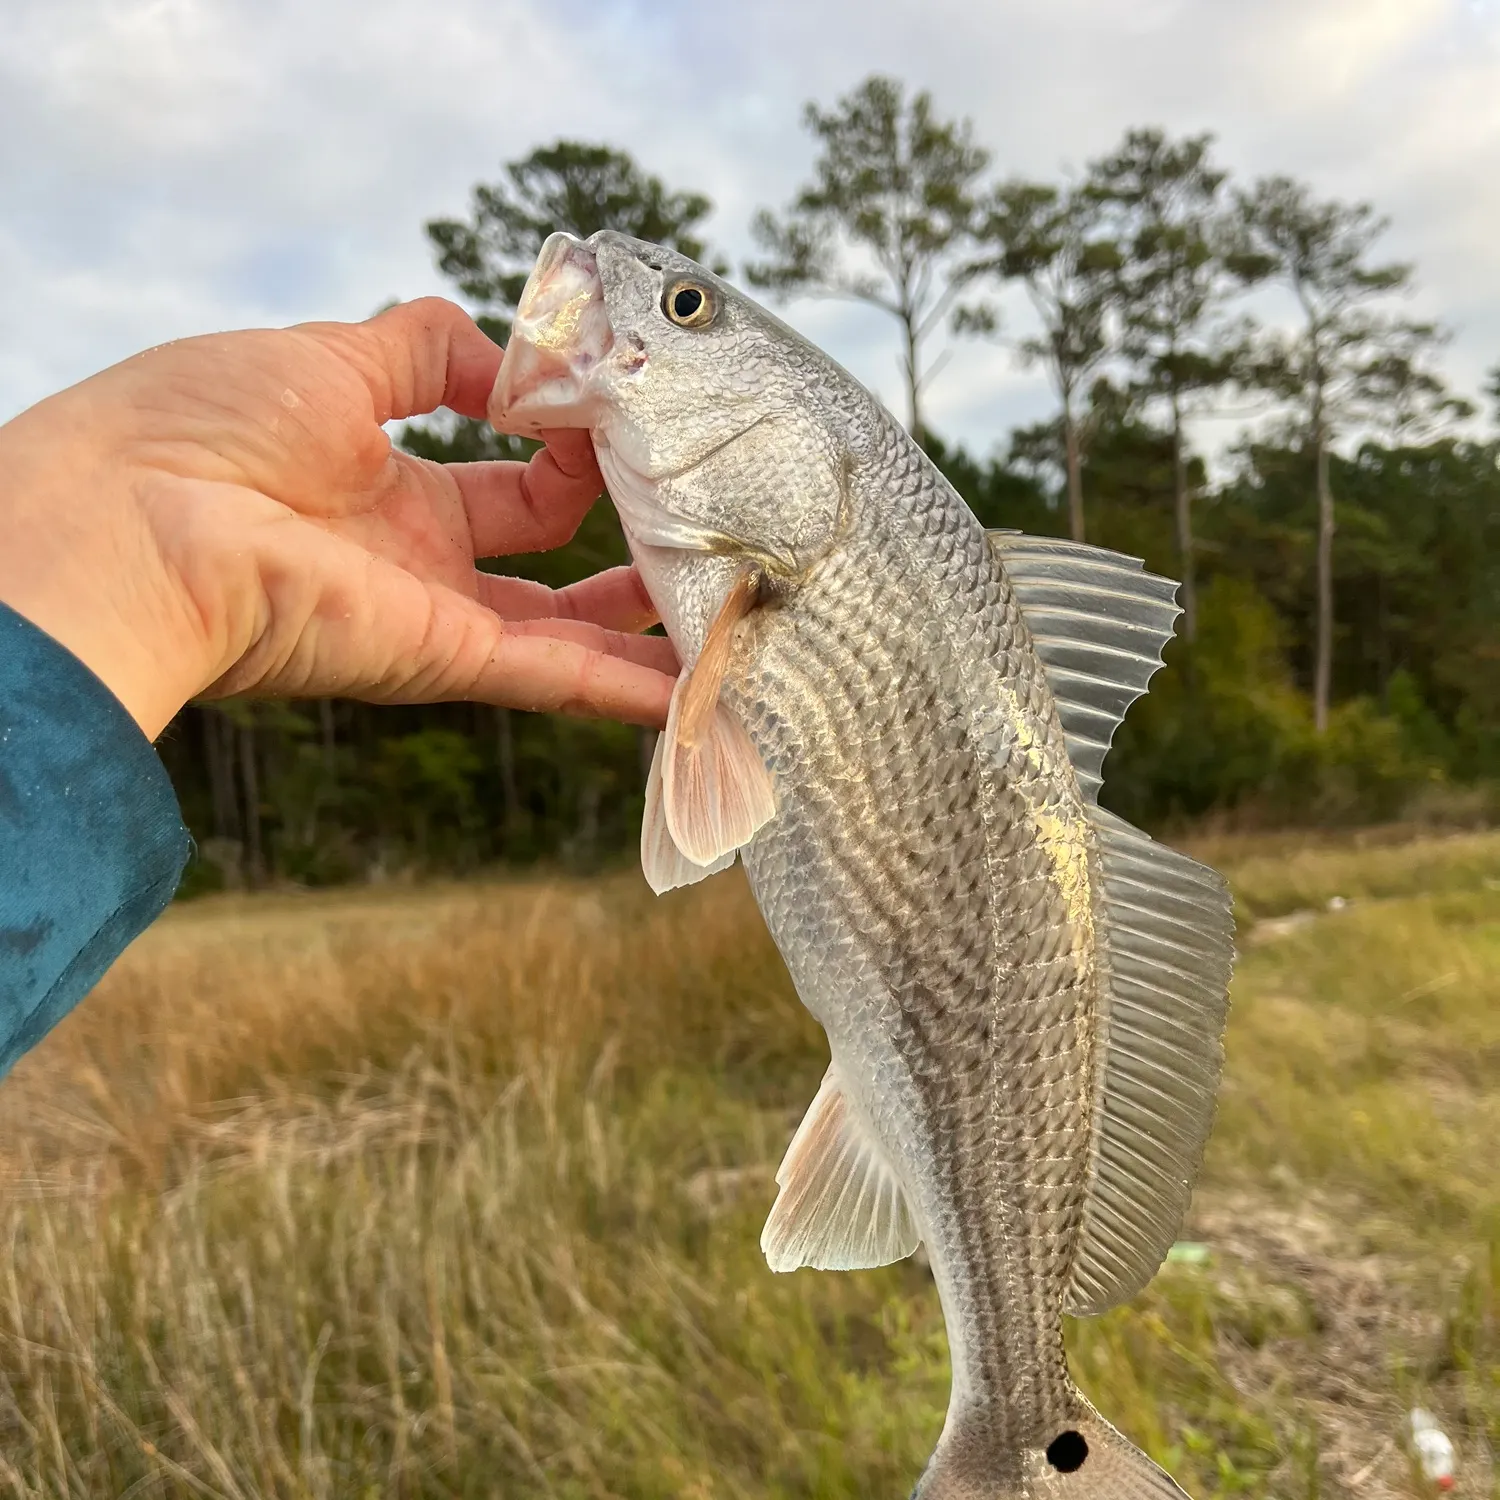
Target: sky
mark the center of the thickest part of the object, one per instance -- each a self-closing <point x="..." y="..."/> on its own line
<point x="170" y="167"/>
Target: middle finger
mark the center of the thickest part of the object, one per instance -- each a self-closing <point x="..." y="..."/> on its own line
<point x="653" y="651"/>
<point x="615" y="598"/>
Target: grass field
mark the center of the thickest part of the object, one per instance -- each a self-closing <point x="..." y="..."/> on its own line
<point x="456" y="1192"/>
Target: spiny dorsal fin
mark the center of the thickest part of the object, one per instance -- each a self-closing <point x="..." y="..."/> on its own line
<point x="841" y="1207"/>
<point x="1099" y="622"/>
<point x="664" y="865"/>
<point x="1166" y="938"/>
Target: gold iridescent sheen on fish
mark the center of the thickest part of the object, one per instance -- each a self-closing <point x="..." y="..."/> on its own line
<point x="899" y="722"/>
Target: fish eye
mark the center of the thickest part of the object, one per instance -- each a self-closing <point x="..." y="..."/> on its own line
<point x="688" y="305"/>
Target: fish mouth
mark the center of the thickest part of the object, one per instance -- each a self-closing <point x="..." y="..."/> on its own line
<point x="561" y="341"/>
<point x="560" y="336"/>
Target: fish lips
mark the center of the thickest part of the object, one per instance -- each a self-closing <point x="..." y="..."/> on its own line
<point x="560" y="337"/>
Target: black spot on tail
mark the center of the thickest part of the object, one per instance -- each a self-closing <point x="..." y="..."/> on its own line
<point x="1067" y="1451"/>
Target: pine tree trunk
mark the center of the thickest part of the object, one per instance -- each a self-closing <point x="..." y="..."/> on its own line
<point x="330" y="739"/>
<point x="510" y="792"/>
<point x="1323" y="669"/>
<point x="914" y="425"/>
<point x="1183" y="499"/>
<point x="255" y="866"/>
<point x="324" y="792"/>
<point x="1075" y="471"/>
<point x="587" y="842"/>
<point x="1382" y="643"/>
<point x="218" y="747"/>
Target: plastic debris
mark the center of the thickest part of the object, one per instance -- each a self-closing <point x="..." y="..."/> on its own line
<point x="1433" y="1448"/>
<point x="1188" y="1253"/>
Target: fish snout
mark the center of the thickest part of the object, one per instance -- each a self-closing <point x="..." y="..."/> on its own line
<point x="560" y="336"/>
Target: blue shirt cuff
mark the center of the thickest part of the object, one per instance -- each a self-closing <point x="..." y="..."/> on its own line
<point x="91" y="837"/>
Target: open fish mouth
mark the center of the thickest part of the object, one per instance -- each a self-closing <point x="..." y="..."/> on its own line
<point x="560" y="340"/>
<point x="560" y="337"/>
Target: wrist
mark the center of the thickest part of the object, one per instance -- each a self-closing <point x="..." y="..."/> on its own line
<point x="78" y="564"/>
<point x="103" y="638"/>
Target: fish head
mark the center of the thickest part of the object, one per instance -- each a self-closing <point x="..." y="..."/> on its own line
<point x="712" y="420"/>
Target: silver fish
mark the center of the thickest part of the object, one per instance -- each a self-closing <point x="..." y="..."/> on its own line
<point x="899" y="722"/>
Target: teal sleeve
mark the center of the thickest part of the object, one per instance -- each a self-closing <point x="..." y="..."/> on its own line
<point x="91" y="838"/>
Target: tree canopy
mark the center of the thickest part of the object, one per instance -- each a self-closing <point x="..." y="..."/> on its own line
<point x="886" y="220"/>
<point x="1351" y="361"/>
<point x="1320" y="682"/>
<point x="1053" y="240"/>
<point x="577" y="186"/>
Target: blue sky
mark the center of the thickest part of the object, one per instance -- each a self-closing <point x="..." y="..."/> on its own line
<point x="174" y="166"/>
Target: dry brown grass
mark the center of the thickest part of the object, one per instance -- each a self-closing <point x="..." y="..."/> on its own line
<point x="454" y="1191"/>
<point x="238" y="999"/>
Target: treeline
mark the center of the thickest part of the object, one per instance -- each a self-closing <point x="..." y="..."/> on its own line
<point x="1339" y="655"/>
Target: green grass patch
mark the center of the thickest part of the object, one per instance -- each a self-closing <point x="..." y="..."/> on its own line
<point x="458" y="1195"/>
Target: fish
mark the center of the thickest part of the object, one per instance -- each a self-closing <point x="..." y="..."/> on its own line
<point x="897" y="721"/>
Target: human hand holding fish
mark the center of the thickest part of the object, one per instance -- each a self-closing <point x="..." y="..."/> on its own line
<point x="227" y="515"/>
<point x="898" y="722"/>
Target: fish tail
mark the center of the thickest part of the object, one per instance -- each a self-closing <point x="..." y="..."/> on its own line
<point x="1086" y="1460"/>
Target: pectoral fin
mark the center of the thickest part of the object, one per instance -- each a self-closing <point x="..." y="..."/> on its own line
<point x="841" y="1206"/>
<point x="716" y="792"/>
<point x="664" y="865"/>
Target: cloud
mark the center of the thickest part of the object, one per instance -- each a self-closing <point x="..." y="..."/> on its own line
<point x="172" y="166"/>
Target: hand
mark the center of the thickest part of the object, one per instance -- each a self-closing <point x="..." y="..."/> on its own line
<point x="226" y="515"/>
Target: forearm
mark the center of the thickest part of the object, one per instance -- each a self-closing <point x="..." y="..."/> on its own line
<point x="91" y="838"/>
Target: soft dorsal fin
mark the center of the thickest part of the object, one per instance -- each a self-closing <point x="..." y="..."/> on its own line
<point x="1099" y="622"/>
<point x="664" y="865"/>
<point x="1165" y="931"/>
<point x="841" y="1207"/>
<point x="1166" y="938"/>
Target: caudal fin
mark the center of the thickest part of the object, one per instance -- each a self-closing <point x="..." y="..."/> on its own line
<point x="1086" y="1460"/>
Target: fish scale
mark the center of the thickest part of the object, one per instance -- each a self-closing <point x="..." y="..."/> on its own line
<point x="963" y="992"/>
<point x="898" y="721"/>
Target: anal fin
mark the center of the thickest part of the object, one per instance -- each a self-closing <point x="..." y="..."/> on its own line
<point x="840" y="1205"/>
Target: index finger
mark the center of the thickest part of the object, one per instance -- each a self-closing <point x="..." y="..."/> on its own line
<point x="418" y="356"/>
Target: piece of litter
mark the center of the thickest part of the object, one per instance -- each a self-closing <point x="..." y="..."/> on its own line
<point x="1432" y="1446"/>
<point x="1279" y="927"/>
<point x="1188" y="1253"/>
